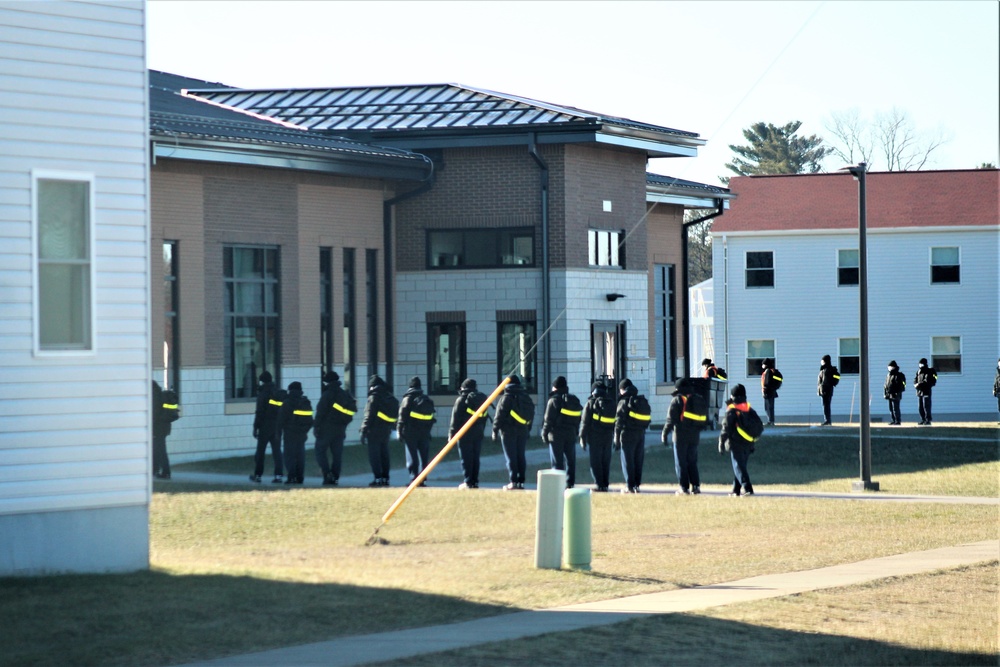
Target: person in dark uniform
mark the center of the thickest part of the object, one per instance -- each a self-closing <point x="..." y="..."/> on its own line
<point x="334" y="411"/>
<point x="514" y="414"/>
<point x="996" y="387"/>
<point x="770" y="382"/>
<point x="631" y="423"/>
<point x="560" y="424"/>
<point x="165" y="412"/>
<point x="686" y="420"/>
<point x="469" y="402"/>
<point x="294" y="421"/>
<point x="416" y="418"/>
<point x="892" y="390"/>
<point x="825" y="382"/>
<point x="738" y="446"/>
<point x="924" y="382"/>
<point x="265" y="429"/>
<point x="597" y="433"/>
<point x="377" y="426"/>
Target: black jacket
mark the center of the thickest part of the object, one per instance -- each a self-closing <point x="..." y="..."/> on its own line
<point x="924" y="380"/>
<point x="295" y="418"/>
<point x="371" y="424"/>
<point x="269" y="401"/>
<point x="462" y="411"/>
<point x="407" y="424"/>
<point x="593" y="429"/>
<point x="684" y="429"/>
<point x="325" y="424"/>
<point x="824" y="382"/>
<point x="554" y="425"/>
<point x="895" y="385"/>
<point x="513" y="395"/>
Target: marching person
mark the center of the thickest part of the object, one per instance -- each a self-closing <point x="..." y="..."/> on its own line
<point x="334" y="412"/>
<point x="895" y="385"/>
<point x="469" y="402"/>
<point x="165" y="412"/>
<point x="416" y="419"/>
<point x="560" y="424"/>
<point x="265" y="428"/>
<point x="377" y="426"/>
<point x="734" y="439"/>
<point x="996" y="387"/>
<point x="924" y="382"/>
<point x="514" y="414"/>
<point x="597" y="433"/>
<point x="294" y="421"/>
<point x="828" y="378"/>
<point x="632" y="418"/>
<point x="770" y="383"/>
<point x="686" y="417"/>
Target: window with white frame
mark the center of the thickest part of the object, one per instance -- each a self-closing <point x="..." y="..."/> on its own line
<point x="849" y="361"/>
<point x="760" y="269"/>
<point x="757" y="352"/>
<point x="63" y="220"/>
<point x="946" y="265"/>
<point x="848" y="267"/>
<point x="946" y="354"/>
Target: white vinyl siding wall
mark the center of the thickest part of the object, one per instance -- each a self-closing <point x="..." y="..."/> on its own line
<point x="74" y="433"/>
<point x="807" y="314"/>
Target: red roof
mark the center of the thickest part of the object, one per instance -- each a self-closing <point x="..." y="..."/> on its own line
<point x="830" y="201"/>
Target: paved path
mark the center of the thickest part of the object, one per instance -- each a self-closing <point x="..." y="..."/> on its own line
<point x="419" y="641"/>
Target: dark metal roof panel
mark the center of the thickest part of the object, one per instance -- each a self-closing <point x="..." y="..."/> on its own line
<point x="672" y="182"/>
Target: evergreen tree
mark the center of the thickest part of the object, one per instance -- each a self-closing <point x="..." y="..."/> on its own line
<point x="777" y="150"/>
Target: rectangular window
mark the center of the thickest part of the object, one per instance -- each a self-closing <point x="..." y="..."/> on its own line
<point x="945" y="265"/>
<point x="848" y="267"/>
<point x="347" y="377"/>
<point x="665" y="318"/>
<point x="171" y="331"/>
<point x="371" y="314"/>
<point x="63" y="219"/>
<point x="605" y="247"/>
<point x="325" y="310"/>
<point x="445" y="357"/>
<point x="252" y="318"/>
<point x="946" y="354"/>
<point x="517" y="352"/>
<point x="849" y="361"/>
<point x="480" y="248"/>
<point x="757" y="352"/>
<point x="760" y="269"/>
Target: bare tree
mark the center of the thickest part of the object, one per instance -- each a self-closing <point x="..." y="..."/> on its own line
<point x="888" y="143"/>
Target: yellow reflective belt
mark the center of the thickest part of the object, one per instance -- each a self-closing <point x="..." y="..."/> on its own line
<point x="518" y="418"/>
<point x="275" y="403"/>
<point x="341" y="408"/>
<point x="419" y="415"/>
<point x="303" y="413"/>
<point x="636" y="415"/>
<point x="744" y="434"/>
<point x="382" y="415"/>
<point x="836" y="377"/>
<point x="169" y="406"/>
<point x="605" y="420"/>
<point x="691" y="415"/>
<point x="473" y="412"/>
<point x="570" y="413"/>
<point x="775" y="377"/>
<point x="720" y="376"/>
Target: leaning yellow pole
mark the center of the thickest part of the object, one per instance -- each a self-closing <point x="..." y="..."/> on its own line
<point x="418" y="480"/>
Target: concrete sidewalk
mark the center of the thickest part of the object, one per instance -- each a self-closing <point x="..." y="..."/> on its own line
<point x="419" y="641"/>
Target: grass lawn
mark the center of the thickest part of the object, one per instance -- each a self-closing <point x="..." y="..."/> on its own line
<point x="238" y="569"/>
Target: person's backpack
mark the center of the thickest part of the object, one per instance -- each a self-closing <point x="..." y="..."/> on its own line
<point x="774" y="382"/>
<point x="387" y="408"/>
<point x="720" y="374"/>
<point x="171" y="408"/>
<point x="603" y="411"/>
<point x="834" y="376"/>
<point x="638" y="413"/>
<point x="522" y="408"/>
<point x="274" y="403"/>
<point x="570" y="411"/>
<point x="749" y="425"/>
<point x="695" y="410"/>
<point x="302" y="416"/>
<point x="474" y="403"/>
<point x="898" y="384"/>
<point x="343" y="408"/>
<point x="421" y="412"/>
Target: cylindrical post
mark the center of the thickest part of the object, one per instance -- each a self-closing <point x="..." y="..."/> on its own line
<point x="576" y="529"/>
<point x="549" y="519"/>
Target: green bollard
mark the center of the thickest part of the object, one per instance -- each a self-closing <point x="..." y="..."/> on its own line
<point x="576" y="529"/>
<point x="549" y="519"/>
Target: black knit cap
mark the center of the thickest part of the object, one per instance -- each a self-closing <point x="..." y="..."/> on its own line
<point x="625" y="384"/>
<point x="738" y="393"/>
<point x="375" y="381"/>
<point x="415" y="382"/>
<point x="514" y="379"/>
<point x="295" y="386"/>
<point x="266" y="377"/>
<point x="331" y="376"/>
<point x="469" y="385"/>
<point x="560" y="383"/>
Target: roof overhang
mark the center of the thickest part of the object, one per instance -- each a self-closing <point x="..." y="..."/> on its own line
<point x="217" y="151"/>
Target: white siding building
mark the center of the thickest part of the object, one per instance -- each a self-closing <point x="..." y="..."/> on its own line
<point x="74" y="292"/>
<point x="785" y="268"/>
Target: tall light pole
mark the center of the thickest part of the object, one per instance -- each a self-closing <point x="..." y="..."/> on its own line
<point x="865" y="483"/>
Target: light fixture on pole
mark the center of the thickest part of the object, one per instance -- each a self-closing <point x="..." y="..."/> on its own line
<point x="865" y="483"/>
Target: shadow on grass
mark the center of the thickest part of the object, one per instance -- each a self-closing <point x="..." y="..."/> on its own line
<point x="683" y="639"/>
<point x="156" y="618"/>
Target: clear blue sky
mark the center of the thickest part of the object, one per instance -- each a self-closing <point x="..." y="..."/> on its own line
<point x="708" y="67"/>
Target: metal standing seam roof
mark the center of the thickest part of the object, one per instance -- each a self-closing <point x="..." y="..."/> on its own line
<point x="680" y="183"/>
<point x="412" y="107"/>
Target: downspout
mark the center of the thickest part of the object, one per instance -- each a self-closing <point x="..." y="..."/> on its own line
<point x="686" y="298"/>
<point x="725" y="289"/>
<point x="544" y="190"/>
<point x="387" y="276"/>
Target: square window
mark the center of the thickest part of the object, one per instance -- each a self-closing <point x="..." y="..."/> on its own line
<point x="605" y="247"/>
<point x="945" y="265"/>
<point x="946" y="354"/>
<point x="757" y="352"/>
